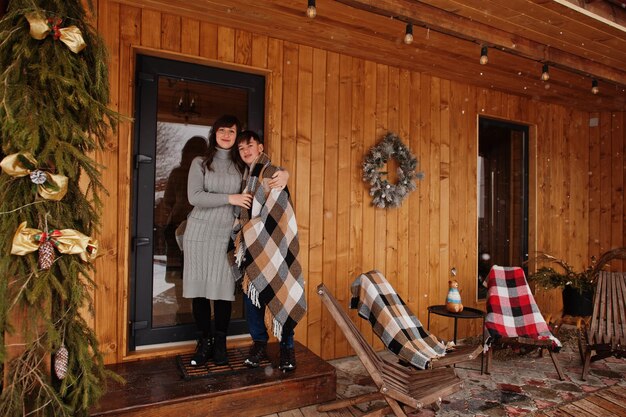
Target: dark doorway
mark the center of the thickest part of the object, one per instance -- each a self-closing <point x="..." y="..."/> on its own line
<point x="175" y="102"/>
<point x="502" y="197"/>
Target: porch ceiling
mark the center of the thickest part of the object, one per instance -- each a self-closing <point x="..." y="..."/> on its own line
<point x="579" y="39"/>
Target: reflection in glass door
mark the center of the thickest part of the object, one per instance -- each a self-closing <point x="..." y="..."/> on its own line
<point x="177" y="103"/>
<point x="177" y="145"/>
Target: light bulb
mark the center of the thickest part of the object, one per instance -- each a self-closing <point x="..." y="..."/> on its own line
<point x="311" y="11"/>
<point x="483" y="56"/>
<point x="545" y="73"/>
<point x="408" y="35"/>
<point x="594" y="86"/>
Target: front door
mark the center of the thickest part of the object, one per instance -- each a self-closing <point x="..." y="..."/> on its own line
<point x="502" y="197"/>
<point x="176" y="105"/>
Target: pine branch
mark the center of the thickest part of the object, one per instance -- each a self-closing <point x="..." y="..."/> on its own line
<point x="53" y="104"/>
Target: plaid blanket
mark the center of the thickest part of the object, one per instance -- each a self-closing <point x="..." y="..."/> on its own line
<point x="511" y="307"/>
<point x="264" y="251"/>
<point x="392" y="321"/>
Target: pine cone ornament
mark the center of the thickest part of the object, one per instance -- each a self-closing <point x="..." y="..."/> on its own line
<point x="60" y="362"/>
<point x="46" y="255"/>
<point x="38" y="177"/>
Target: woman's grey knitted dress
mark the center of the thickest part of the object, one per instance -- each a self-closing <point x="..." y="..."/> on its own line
<point x="207" y="272"/>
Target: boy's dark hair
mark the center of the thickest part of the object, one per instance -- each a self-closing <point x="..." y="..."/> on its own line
<point x="248" y="135"/>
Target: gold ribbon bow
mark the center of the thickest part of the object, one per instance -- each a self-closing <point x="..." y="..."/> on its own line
<point x="50" y="187"/>
<point x="67" y="241"/>
<point x="70" y="36"/>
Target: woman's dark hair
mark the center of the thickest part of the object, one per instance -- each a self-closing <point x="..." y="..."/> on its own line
<point x="226" y="120"/>
<point x="245" y="136"/>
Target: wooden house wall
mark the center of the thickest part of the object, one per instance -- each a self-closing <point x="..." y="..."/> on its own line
<point x="324" y="112"/>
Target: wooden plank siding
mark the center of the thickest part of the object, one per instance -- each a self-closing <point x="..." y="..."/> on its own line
<point x="324" y="112"/>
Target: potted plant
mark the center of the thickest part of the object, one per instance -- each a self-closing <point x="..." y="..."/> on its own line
<point x="578" y="286"/>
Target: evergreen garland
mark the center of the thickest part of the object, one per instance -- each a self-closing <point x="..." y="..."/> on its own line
<point x="385" y="194"/>
<point x="53" y="104"/>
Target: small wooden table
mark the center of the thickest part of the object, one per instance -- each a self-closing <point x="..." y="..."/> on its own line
<point x="467" y="313"/>
<point x="573" y="320"/>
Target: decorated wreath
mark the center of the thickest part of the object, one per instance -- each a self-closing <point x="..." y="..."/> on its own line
<point x="384" y="194"/>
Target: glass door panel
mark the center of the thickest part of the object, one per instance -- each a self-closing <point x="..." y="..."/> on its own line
<point x="502" y="197"/>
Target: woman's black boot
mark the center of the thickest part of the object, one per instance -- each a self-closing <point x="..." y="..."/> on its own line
<point x="220" y="356"/>
<point x="204" y="351"/>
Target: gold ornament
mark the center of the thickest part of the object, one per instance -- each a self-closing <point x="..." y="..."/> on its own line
<point x="49" y="186"/>
<point x="61" y="359"/>
<point x="66" y="241"/>
<point x="41" y="27"/>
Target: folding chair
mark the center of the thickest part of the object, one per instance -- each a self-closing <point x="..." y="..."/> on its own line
<point x="401" y="387"/>
<point x="606" y="332"/>
<point x="399" y="329"/>
<point x="513" y="317"/>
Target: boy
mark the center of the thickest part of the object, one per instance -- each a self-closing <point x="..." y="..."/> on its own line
<point x="264" y="249"/>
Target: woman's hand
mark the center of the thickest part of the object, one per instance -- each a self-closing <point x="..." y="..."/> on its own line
<point x="279" y="180"/>
<point x="241" y="200"/>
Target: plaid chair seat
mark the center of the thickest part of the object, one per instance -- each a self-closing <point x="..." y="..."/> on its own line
<point x="511" y="308"/>
<point x="392" y="321"/>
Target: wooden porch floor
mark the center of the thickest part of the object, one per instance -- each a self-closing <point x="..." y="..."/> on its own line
<point x="157" y="388"/>
<point x="604" y="403"/>
<point x="518" y="386"/>
<point x="607" y="402"/>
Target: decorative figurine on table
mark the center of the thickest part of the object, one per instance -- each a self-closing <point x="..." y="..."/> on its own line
<point x="453" y="300"/>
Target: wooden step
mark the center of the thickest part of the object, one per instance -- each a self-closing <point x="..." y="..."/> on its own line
<point x="157" y="387"/>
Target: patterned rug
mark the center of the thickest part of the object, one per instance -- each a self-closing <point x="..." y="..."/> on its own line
<point x="520" y="384"/>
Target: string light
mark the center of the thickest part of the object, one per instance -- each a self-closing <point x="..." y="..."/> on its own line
<point x="408" y="34"/>
<point x="545" y="73"/>
<point x="483" y="55"/>
<point x="484" y="51"/>
<point x="311" y="11"/>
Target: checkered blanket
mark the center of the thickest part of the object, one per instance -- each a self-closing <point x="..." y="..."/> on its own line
<point x="393" y="322"/>
<point x="511" y="307"/>
<point x="264" y="250"/>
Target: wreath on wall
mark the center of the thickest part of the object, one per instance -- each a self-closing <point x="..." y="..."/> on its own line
<point x="385" y="194"/>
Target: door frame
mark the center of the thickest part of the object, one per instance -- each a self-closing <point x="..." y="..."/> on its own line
<point x="527" y="179"/>
<point x="147" y="70"/>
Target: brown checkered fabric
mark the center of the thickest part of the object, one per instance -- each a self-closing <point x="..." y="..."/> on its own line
<point x="392" y="321"/>
<point x="264" y="248"/>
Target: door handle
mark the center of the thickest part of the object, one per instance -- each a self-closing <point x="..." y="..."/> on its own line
<point x="141" y="241"/>
<point x="142" y="159"/>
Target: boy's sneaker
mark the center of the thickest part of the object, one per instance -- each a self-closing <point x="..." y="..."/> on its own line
<point x="256" y="354"/>
<point x="287" y="359"/>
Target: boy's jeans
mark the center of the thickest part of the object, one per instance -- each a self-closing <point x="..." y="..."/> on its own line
<point x="256" y="325"/>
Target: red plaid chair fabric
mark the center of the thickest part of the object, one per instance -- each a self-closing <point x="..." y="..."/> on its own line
<point x="513" y="317"/>
<point x="511" y="307"/>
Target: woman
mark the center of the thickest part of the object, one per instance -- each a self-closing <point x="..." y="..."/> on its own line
<point x="213" y="189"/>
